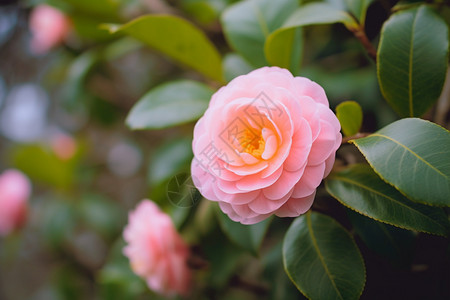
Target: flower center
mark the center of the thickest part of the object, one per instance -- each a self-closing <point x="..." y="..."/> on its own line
<point x="253" y="144"/>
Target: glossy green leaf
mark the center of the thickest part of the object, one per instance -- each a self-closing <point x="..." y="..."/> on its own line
<point x="414" y="156"/>
<point x="285" y="49"/>
<point x="318" y="13"/>
<point x="362" y="190"/>
<point x="283" y="46"/>
<point x="248" y="237"/>
<point x="178" y="39"/>
<point x="322" y="259"/>
<point x="248" y="23"/>
<point x="350" y="116"/>
<point x="358" y="8"/>
<point x="412" y="60"/>
<point x="170" y="104"/>
<point x="339" y="4"/>
<point x="392" y="242"/>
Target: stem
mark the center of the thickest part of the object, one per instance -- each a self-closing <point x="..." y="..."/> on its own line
<point x="360" y="34"/>
<point x="354" y="137"/>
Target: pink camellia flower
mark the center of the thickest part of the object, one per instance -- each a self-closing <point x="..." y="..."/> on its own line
<point x="64" y="146"/>
<point x="264" y="145"/>
<point x="15" y="190"/>
<point x="49" y="26"/>
<point x="156" y="251"/>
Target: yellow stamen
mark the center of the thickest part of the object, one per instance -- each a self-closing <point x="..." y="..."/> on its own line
<point x="252" y="144"/>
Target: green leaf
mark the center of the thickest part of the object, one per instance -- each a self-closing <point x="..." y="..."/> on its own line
<point x="170" y="159"/>
<point x="358" y="8"/>
<point x="88" y="29"/>
<point x="171" y="163"/>
<point x="248" y="237"/>
<point x="77" y="74"/>
<point x="202" y="11"/>
<point x="234" y="65"/>
<point x="170" y="104"/>
<point x="339" y="4"/>
<point x="116" y="279"/>
<point x="58" y="221"/>
<point x="350" y="116"/>
<point x="322" y="259"/>
<point x="285" y="49"/>
<point x="318" y="13"/>
<point x="223" y="258"/>
<point x="412" y="60"/>
<point x="414" y="156"/>
<point x="56" y="173"/>
<point x="101" y="214"/>
<point x="176" y="38"/>
<point x="360" y="189"/>
<point x="247" y="24"/>
<point x="284" y="46"/>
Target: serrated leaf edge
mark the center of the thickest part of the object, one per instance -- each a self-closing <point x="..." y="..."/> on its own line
<point x="366" y="215"/>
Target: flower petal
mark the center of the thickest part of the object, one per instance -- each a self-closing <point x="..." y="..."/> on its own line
<point x="310" y="181"/>
<point x="309" y="88"/>
<point x="255" y="182"/>
<point x="283" y="185"/>
<point x="300" y="149"/>
<point x="324" y="145"/>
<point x="235" y="198"/>
<point x="263" y="205"/>
<point x="296" y="206"/>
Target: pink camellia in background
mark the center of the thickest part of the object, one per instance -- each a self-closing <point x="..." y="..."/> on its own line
<point x="156" y="251"/>
<point x="15" y="190"/>
<point x="264" y="145"/>
<point x="64" y="146"/>
<point x="48" y="26"/>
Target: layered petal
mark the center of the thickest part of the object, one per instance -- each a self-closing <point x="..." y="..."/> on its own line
<point x="279" y="137"/>
<point x="156" y="251"/>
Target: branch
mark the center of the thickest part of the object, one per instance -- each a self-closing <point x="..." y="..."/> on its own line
<point x="360" y="34"/>
<point x="354" y="137"/>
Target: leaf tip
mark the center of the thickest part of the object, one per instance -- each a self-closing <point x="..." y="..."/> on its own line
<point x="112" y="28"/>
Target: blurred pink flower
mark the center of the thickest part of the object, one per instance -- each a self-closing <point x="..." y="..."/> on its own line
<point x="49" y="26"/>
<point x="156" y="251"/>
<point x="15" y="189"/>
<point x="264" y="145"/>
<point x="64" y="146"/>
